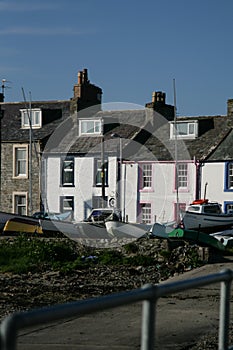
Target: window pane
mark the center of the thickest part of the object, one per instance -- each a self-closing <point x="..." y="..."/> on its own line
<point x="20" y="161"/>
<point x="36" y="118"/>
<point x="191" y="129"/>
<point x="182" y="129"/>
<point x="146" y="213"/>
<point x="182" y="173"/>
<point x="25" y="118"/>
<point x="97" y="127"/>
<point x="230" y="175"/>
<point x="147" y="175"/>
<point x="90" y="126"/>
<point x="20" y="205"/>
<point x="68" y="172"/>
<point x="67" y="204"/>
<point x="98" y="177"/>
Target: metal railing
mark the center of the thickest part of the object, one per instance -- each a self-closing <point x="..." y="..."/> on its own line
<point x="148" y="294"/>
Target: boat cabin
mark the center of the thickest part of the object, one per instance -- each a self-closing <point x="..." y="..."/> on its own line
<point x="205" y="208"/>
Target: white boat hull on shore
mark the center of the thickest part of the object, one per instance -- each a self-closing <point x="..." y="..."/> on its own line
<point x="121" y="229"/>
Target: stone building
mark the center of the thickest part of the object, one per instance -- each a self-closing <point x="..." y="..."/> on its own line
<point x="25" y="129"/>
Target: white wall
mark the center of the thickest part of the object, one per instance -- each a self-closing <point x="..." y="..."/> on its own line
<point x="162" y="197"/>
<point x="213" y="174"/>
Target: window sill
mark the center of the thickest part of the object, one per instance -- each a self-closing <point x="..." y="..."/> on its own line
<point x="20" y="177"/>
<point x="146" y="189"/>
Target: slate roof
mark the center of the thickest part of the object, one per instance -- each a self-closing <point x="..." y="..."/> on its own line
<point x="145" y="134"/>
<point x="224" y="151"/>
<point x="53" y="112"/>
<point x="212" y="130"/>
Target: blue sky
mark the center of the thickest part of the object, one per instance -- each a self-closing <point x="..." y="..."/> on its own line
<point x="130" y="48"/>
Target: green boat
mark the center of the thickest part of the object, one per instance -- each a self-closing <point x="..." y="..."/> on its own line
<point x="198" y="237"/>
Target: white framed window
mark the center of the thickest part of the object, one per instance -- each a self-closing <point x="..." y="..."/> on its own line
<point x="230" y="175"/>
<point x="187" y="129"/>
<point x="20" y="203"/>
<point x="98" y="173"/>
<point x="145" y="176"/>
<point x="67" y="176"/>
<point x="145" y="213"/>
<point x="89" y="127"/>
<point x="181" y="175"/>
<point x="35" y="115"/>
<point x="67" y="204"/>
<point x="20" y="161"/>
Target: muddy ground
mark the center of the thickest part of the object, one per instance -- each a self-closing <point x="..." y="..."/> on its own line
<point x="200" y="307"/>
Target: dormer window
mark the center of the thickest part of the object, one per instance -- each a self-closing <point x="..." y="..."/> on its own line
<point x="184" y="129"/>
<point x="34" y="115"/>
<point x="89" y="127"/>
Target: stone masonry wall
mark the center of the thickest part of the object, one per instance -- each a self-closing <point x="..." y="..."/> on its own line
<point x="9" y="184"/>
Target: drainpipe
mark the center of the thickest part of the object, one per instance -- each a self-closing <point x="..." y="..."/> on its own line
<point x="198" y="179"/>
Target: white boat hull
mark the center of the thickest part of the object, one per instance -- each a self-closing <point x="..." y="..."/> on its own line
<point x="92" y="230"/>
<point x="195" y="221"/>
<point x="226" y="237"/>
<point x="121" y="229"/>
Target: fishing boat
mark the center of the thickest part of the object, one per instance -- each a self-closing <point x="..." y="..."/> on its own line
<point x="196" y="237"/>
<point x="206" y="216"/>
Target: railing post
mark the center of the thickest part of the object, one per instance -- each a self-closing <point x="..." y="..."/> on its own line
<point x="224" y="313"/>
<point x="148" y="321"/>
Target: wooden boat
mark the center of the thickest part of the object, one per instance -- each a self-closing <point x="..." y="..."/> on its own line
<point x="206" y="216"/>
<point x="198" y="237"/>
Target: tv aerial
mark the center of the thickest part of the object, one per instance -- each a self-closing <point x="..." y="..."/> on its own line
<point x="5" y="86"/>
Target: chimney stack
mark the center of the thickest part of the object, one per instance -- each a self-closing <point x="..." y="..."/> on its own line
<point x="159" y="105"/>
<point x="158" y="96"/>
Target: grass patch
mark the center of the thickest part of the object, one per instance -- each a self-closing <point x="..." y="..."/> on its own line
<point x="25" y="254"/>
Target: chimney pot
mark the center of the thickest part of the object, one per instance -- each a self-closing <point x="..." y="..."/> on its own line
<point x="80" y="78"/>
<point x="158" y="96"/>
<point x="85" y="79"/>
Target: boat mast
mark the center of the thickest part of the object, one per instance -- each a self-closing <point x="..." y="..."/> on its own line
<point x="176" y="154"/>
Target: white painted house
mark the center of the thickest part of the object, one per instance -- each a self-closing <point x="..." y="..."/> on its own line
<point x="153" y="164"/>
<point x="140" y="168"/>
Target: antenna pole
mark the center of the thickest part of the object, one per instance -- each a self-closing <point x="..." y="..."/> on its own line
<point x="30" y="154"/>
